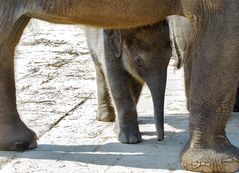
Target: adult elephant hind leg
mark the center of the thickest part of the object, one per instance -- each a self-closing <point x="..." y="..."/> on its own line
<point x="105" y="111"/>
<point x="14" y="135"/>
<point x="214" y="81"/>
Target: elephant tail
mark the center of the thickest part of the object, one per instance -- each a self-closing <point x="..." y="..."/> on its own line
<point x="181" y="35"/>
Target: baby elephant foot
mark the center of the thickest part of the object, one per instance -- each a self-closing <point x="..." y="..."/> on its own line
<point x="128" y="133"/>
<point x="105" y="113"/>
<point x="15" y="136"/>
<point x="224" y="159"/>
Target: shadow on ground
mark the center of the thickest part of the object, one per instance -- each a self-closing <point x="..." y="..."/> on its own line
<point x="149" y="154"/>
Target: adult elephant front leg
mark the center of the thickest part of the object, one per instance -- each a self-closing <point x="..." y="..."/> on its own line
<point x="14" y="135"/>
<point x="120" y="86"/>
<point x="214" y="79"/>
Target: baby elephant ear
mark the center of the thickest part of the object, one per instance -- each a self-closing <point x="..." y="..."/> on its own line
<point x="115" y="39"/>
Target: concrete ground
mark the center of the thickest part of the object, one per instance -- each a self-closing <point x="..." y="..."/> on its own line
<point x="56" y="97"/>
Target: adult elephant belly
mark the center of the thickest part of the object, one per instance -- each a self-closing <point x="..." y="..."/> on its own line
<point x="106" y="13"/>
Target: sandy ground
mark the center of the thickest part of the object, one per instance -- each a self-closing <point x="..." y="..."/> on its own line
<point x="56" y="97"/>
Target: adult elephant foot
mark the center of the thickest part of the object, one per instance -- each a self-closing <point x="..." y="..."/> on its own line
<point x="222" y="157"/>
<point x="16" y="136"/>
<point x="128" y="133"/>
<point x="105" y="113"/>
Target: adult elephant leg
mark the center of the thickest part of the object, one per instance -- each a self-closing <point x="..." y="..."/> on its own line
<point x="214" y="80"/>
<point x="209" y="150"/>
<point x="236" y="105"/>
<point x="105" y="110"/>
<point x="119" y="81"/>
<point x="14" y="135"/>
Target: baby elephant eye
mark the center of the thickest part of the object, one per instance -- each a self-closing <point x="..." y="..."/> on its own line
<point x="139" y="61"/>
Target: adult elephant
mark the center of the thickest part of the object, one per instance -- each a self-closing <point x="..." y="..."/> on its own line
<point x="214" y="73"/>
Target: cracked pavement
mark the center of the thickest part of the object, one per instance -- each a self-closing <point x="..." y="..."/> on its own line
<point x="56" y="97"/>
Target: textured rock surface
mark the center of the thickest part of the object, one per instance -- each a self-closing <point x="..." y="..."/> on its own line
<point x="56" y="98"/>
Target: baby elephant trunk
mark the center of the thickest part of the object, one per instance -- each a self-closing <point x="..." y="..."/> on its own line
<point x="157" y="85"/>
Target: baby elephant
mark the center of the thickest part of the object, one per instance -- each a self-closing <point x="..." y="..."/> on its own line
<point x="125" y="60"/>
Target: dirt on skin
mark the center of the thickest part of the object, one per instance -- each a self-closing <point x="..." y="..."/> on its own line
<point x="56" y="97"/>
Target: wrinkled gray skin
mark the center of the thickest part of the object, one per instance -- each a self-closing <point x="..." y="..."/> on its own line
<point x="211" y="78"/>
<point x="127" y="59"/>
<point x="181" y="36"/>
<point x="214" y="74"/>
